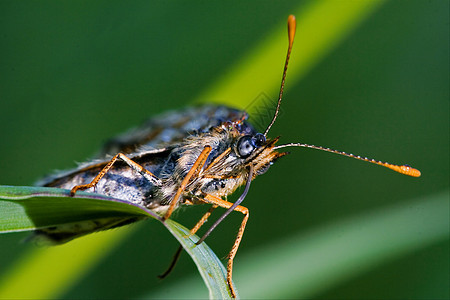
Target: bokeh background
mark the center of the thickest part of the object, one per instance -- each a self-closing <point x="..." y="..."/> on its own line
<point x="76" y="73"/>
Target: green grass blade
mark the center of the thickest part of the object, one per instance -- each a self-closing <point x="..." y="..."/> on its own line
<point x="28" y="208"/>
<point x="209" y="265"/>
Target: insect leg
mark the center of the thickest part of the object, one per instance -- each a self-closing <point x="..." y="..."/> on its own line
<point x="225" y="204"/>
<point x="201" y="160"/>
<point x="135" y="166"/>
<point x="174" y="261"/>
<point x="203" y="219"/>
<point x="180" y="248"/>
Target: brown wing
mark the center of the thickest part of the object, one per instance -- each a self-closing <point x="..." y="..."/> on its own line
<point x="171" y="128"/>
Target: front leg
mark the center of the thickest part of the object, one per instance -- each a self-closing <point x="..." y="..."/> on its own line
<point x="198" y="164"/>
<point x="225" y="204"/>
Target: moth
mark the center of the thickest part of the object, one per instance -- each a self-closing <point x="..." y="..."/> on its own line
<point x="193" y="156"/>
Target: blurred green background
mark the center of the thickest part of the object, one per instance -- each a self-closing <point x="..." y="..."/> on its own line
<point x="76" y="73"/>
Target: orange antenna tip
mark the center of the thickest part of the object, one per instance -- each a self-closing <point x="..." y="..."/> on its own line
<point x="292" y="24"/>
<point x="405" y="169"/>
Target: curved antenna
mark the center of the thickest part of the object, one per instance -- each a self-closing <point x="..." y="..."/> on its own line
<point x="291" y="33"/>
<point x="403" y="169"/>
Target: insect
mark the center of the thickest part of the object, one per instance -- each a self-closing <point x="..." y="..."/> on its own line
<point x="192" y="156"/>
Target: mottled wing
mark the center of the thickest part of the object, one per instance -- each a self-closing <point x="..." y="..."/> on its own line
<point x="148" y="141"/>
<point x="170" y="128"/>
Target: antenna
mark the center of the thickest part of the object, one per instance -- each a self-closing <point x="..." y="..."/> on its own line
<point x="404" y="169"/>
<point x="291" y="33"/>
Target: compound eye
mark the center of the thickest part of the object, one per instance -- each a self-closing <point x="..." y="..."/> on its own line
<point x="245" y="146"/>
